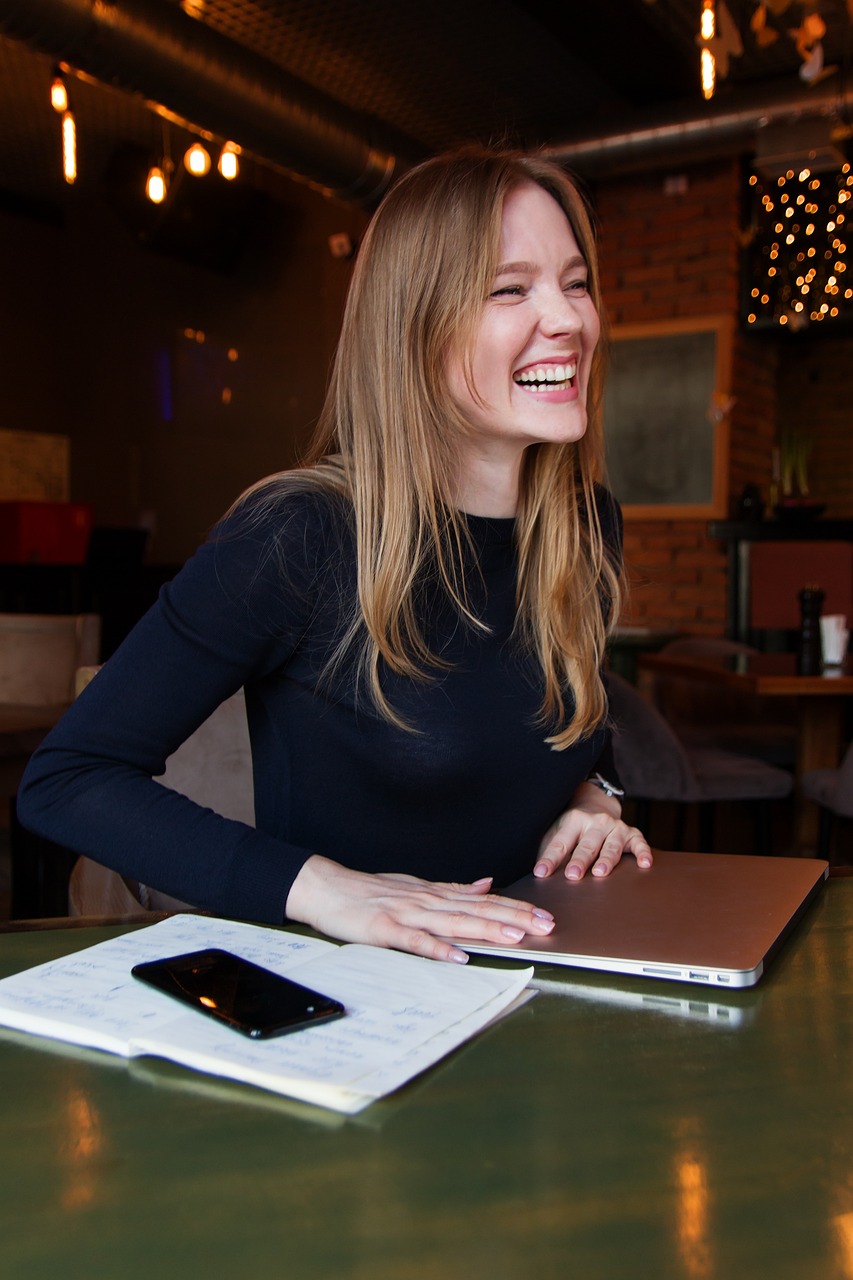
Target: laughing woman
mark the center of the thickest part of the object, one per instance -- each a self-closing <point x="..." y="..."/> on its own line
<point x="418" y="614"/>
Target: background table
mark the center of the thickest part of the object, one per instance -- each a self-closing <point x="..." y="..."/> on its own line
<point x="616" y="1129"/>
<point x="821" y="702"/>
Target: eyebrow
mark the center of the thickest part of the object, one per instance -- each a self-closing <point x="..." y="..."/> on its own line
<point x="530" y="268"/>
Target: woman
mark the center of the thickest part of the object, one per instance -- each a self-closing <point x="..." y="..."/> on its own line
<point x="418" y="614"/>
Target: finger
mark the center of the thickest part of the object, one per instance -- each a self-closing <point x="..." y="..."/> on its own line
<point x="406" y="924"/>
<point x="388" y="932"/>
<point x="483" y="885"/>
<point x="617" y="843"/>
<point x="641" y="849"/>
<point x="437" y="897"/>
<point x="552" y="856"/>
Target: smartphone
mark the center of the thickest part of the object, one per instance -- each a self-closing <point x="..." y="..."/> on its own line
<point x="244" y="996"/>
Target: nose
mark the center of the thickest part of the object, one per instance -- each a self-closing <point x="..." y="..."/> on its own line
<point x="559" y="314"/>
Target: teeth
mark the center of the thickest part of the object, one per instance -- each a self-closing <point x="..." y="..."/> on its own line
<point x="546" y="375"/>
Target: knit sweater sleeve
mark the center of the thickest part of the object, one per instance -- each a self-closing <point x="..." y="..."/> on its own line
<point x="233" y="614"/>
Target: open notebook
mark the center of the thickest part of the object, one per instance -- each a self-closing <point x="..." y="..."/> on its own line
<point x="709" y="918"/>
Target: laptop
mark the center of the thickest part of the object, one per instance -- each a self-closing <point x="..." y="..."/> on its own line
<point x="711" y="918"/>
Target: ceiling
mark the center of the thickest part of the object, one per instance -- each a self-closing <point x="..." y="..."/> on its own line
<point x="344" y="93"/>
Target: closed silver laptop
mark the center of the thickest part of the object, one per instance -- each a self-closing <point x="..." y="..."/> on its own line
<point x="709" y="918"/>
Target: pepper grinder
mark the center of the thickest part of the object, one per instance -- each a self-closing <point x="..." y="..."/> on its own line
<point x="809" y="650"/>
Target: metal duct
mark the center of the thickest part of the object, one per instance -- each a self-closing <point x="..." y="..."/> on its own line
<point x="718" y="132"/>
<point x="209" y="82"/>
<point x="214" y="84"/>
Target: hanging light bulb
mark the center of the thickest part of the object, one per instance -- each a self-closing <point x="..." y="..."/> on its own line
<point x="229" y="165"/>
<point x="69" y="147"/>
<point x="58" y="94"/>
<point x="709" y="73"/>
<point x="155" y="185"/>
<point x="707" y="61"/>
<point x="197" y="160"/>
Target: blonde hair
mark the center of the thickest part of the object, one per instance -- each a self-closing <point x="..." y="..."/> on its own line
<point x="389" y="435"/>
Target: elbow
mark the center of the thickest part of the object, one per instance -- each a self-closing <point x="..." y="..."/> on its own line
<point x="35" y="801"/>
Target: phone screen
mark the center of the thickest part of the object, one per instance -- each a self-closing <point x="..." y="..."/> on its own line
<point x="244" y="996"/>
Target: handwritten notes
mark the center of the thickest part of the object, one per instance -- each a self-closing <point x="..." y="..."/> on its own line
<point x="403" y="1013"/>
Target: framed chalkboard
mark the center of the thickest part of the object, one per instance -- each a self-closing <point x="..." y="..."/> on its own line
<point x="666" y="405"/>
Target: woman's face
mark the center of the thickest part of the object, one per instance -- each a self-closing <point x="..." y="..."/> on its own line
<point x="531" y="357"/>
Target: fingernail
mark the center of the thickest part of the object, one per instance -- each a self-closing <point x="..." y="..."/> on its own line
<point x="541" y="869"/>
<point x="573" y="873"/>
<point x="599" y="870"/>
<point x="483" y="880"/>
<point x="543" y="915"/>
<point x="510" y="931"/>
<point x="459" y="957"/>
<point x="543" y="926"/>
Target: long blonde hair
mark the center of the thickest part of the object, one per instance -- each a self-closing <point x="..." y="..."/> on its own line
<point x="389" y="434"/>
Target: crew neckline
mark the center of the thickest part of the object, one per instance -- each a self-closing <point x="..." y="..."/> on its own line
<point x="490" y="528"/>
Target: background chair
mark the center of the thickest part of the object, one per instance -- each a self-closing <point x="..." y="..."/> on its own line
<point x="213" y="768"/>
<point x="708" y="715"/>
<point x="656" y="765"/>
<point x="39" y="654"/>
<point x="832" y="790"/>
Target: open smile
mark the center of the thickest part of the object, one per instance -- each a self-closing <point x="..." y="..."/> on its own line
<point x="550" y="377"/>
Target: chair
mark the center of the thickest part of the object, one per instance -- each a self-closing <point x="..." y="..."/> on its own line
<point x="39" y="654"/>
<point x="708" y="715"/>
<point x="832" y="790"/>
<point x="656" y="765"/>
<point x="213" y="768"/>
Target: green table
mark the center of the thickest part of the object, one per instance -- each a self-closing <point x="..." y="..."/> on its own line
<point x="616" y="1129"/>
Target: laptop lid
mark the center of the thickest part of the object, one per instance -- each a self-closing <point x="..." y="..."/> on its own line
<point x="709" y="918"/>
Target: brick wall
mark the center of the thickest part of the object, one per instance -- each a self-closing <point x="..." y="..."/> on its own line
<point x="670" y="247"/>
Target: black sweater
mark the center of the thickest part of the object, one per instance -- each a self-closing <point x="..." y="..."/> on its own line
<point x="469" y="793"/>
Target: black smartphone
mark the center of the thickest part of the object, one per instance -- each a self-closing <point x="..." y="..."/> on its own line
<point x="244" y="996"/>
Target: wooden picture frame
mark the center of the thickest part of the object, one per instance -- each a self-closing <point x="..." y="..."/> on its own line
<point x="666" y="417"/>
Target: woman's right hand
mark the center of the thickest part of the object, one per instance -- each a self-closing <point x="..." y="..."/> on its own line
<point x="406" y="913"/>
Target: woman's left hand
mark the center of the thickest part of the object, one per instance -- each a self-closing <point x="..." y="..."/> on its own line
<point x="590" y="834"/>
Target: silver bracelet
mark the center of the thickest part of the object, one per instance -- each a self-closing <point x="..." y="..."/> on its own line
<point x="608" y="788"/>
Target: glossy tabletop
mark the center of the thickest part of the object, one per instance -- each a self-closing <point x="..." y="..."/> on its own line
<point x="631" y="1128"/>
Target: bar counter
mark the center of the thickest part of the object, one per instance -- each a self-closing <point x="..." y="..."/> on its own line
<point x="608" y="1128"/>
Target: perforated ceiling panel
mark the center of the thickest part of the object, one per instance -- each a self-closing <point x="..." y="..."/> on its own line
<point x="439" y="71"/>
<point x="417" y="75"/>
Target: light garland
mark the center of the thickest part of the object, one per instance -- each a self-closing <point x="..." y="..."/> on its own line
<point x="797" y="249"/>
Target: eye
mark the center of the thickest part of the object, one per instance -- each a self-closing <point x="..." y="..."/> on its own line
<point x="508" y="291"/>
<point x="577" y="286"/>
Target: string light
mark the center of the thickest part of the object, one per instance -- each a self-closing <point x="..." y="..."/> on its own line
<point x="229" y="164"/>
<point x="197" y="160"/>
<point x="797" y="259"/>
<point x="708" y="22"/>
<point x="69" y="147"/>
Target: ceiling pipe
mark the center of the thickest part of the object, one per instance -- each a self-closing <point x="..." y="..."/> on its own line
<point x="212" y="84"/>
<point x="719" y="131"/>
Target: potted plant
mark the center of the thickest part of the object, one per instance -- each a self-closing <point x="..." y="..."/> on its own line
<point x="795" y="450"/>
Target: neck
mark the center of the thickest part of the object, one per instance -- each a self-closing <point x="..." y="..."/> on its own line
<point x="488" y="487"/>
